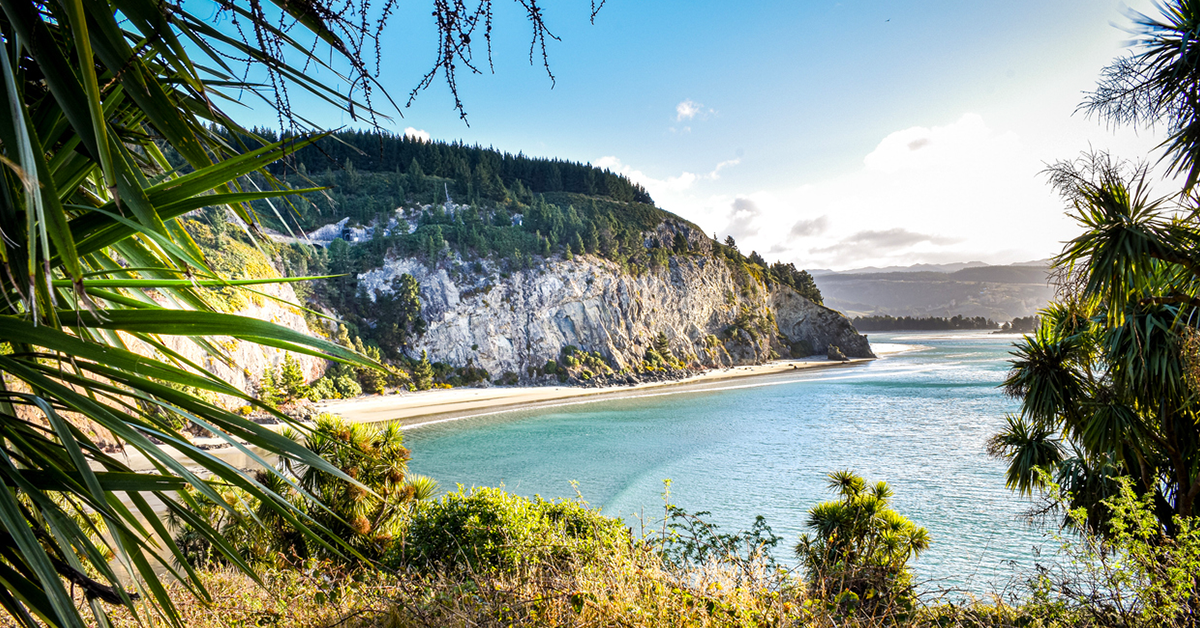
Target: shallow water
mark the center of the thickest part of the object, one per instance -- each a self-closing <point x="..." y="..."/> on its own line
<point x="918" y="418"/>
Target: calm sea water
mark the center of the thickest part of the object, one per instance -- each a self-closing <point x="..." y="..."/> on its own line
<point x="918" y="418"/>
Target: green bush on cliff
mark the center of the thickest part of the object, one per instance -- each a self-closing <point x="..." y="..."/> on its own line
<point x="576" y="361"/>
<point x="342" y="386"/>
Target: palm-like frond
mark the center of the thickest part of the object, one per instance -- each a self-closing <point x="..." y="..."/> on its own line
<point x="91" y="259"/>
<point x="1028" y="449"/>
<point x="1107" y="373"/>
<point x="859" y="544"/>
<point x="1155" y="84"/>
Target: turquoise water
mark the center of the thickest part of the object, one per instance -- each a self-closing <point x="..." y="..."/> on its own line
<point x="918" y="419"/>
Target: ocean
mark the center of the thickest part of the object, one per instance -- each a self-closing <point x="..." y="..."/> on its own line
<point x="919" y="418"/>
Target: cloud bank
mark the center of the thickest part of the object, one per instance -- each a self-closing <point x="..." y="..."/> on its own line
<point x="935" y="194"/>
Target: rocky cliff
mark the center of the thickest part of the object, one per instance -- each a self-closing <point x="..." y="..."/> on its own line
<point x="515" y="322"/>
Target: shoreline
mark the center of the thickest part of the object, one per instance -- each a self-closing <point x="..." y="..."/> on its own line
<point x="418" y="409"/>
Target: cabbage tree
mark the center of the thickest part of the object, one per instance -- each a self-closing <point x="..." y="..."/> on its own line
<point x="1109" y="383"/>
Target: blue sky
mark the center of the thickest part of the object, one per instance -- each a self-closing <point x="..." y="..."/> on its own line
<point x="830" y="134"/>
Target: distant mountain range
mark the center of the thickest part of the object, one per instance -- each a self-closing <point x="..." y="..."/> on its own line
<point x="916" y="268"/>
<point x="1000" y="293"/>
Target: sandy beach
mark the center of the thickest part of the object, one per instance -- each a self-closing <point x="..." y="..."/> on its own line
<point x="434" y="406"/>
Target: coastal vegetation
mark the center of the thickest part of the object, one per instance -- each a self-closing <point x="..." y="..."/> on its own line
<point x="478" y="247"/>
<point x="487" y="557"/>
<point x="103" y="289"/>
<point x="1107" y="383"/>
<point x="440" y="220"/>
<point x="114" y="137"/>
<point x="113" y="132"/>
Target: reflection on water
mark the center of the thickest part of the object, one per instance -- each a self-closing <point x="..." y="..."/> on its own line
<point x="918" y="418"/>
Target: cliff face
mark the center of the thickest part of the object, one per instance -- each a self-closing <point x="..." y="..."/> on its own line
<point x="508" y="324"/>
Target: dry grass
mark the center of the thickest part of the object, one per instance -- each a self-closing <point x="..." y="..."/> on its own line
<point x="628" y="586"/>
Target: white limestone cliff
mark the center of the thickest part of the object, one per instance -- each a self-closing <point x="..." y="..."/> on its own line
<point x="508" y="323"/>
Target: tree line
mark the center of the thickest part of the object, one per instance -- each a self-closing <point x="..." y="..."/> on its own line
<point x="913" y="323"/>
<point x="491" y="174"/>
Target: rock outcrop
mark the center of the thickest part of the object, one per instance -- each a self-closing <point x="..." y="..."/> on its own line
<point x="514" y="323"/>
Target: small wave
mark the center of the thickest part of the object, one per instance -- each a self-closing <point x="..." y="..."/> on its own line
<point x="882" y="349"/>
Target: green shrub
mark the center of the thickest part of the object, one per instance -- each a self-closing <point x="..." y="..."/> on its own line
<point x="268" y="390"/>
<point x="291" y="379"/>
<point x="1129" y="574"/>
<point x="423" y="373"/>
<point x="322" y="389"/>
<point x="488" y="528"/>
<point x="336" y="384"/>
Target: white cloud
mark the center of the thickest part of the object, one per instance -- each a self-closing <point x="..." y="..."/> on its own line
<point x="885" y="240"/>
<point x="687" y="110"/>
<point x="715" y="174"/>
<point x="743" y="215"/>
<point x="956" y="192"/>
<point x="665" y="188"/>
<point x="809" y="227"/>
<point x="416" y="134"/>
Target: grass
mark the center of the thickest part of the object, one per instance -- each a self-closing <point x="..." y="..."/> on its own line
<point x="624" y="586"/>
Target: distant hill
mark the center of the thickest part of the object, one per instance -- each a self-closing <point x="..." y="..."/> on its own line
<point x="936" y="268"/>
<point x="969" y="289"/>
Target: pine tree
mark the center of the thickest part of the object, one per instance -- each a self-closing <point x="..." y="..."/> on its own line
<point x="680" y="243"/>
<point x="268" y="391"/>
<point x="372" y="380"/>
<point x="423" y="373"/>
<point x="593" y="240"/>
<point x="662" y="345"/>
<point x="291" y="379"/>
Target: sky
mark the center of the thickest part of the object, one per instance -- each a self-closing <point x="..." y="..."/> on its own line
<point x="829" y="134"/>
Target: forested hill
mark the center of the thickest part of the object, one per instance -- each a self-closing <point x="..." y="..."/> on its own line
<point x="478" y="173"/>
<point x="458" y="235"/>
<point x="450" y="203"/>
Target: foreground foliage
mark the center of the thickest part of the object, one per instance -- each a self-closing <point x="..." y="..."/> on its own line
<point x="102" y="290"/>
<point x="488" y="529"/>
<point x="98" y="275"/>
<point x="531" y="562"/>
<point x="858" y="555"/>
<point x="1108" y="382"/>
<point x="363" y="507"/>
